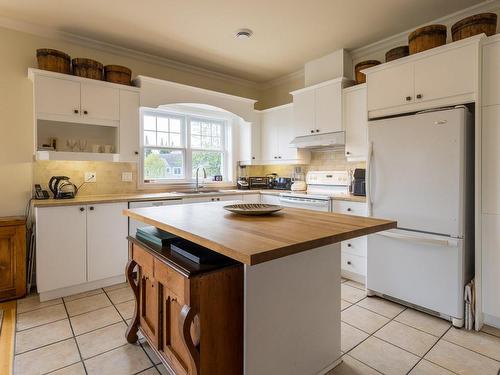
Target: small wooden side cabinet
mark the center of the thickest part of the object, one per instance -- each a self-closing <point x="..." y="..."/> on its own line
<point x="12" y="258"/>
<point x="191" y="314"/>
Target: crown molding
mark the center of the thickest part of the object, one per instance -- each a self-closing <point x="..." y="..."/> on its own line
<point x="402" y="38"/>
<point x="50" y="33"/>
<point x="299" y="74"/>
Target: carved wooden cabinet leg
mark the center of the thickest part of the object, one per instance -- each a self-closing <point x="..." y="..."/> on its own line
<point x="133" y="327"/>
<point x="187" y="318"/>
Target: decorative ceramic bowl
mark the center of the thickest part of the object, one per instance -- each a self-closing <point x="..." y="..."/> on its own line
<point x="253" y="208"/>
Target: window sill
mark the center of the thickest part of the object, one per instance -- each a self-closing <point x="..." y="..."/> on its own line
<point x="185" y="185"/>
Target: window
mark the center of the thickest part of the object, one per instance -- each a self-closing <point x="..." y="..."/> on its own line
<point x="176" y="144"/>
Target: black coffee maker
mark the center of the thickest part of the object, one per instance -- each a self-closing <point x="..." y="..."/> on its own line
<point x="359" y="182"/>
<point x="62" y="187"/>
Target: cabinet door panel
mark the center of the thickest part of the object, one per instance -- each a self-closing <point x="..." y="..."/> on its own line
<point x="491" y="74"/>
<point x="8" y="248"/>
<point x="491" y="265"/>
<point x="269" y="137"/>
<point x="60" y="247"/>
<point x="446" y="74"/>
<point x="148" y="304"/>
<point x="100" y="102"/>
<point x="57" y="96"/>
<point x="390" y="87"/>
<point x="356" y="124"/>
<point x="285" y="134"/>
<point x="329" y="108"/>
<point x="129" y="126"/>
<point x="107" y="247"/>
<point x="304" y="118"/>
<point x="491" y="160"/>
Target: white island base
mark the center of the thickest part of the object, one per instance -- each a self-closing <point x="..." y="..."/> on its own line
<point x="292" y="314"/>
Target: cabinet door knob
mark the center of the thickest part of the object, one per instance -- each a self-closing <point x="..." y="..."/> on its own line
<point x="349" y="245"/>
<point x="136" y="152"/>
<point x="91" y="208"/>
<point x="279" y="157"/>
<point x="312" y="131"/>
<point x="82" y="209"/>
<point x="347" y="153"/>
<point x="349" y="262"/>
<point x="218" y="199"/>
<point x="317" y="130"/>
<point x="85" y="112"/>
<point x="75" y="111"/>
<point x="253" y="157"/>
<point x="408" y="98"/>
<point x="349" y="209"/>
<point x="419" y="96"/>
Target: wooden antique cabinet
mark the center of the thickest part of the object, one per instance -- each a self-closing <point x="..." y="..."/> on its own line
<point x="12" y="258"/>
<point x="191" y="315"/>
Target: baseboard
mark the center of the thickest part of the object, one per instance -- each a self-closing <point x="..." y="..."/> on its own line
<point x="353" y="276"/>
<point x="80" y="288"/>
<point x="491" y="320"/>
<point x="330" y="367"/>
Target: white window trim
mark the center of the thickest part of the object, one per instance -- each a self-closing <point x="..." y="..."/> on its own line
<point x="188" y="180"/>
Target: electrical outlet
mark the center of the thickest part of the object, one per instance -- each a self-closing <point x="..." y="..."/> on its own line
<point x="127" y="176"/>
<point x="90" y="177"/>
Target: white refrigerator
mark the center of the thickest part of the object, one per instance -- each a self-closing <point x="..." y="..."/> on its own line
<point x="421" y="173"/>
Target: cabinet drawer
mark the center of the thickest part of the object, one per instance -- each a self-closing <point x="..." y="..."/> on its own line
<point x="356" y="246"/>
<point x="353" y="263"/>
<point x="350" y="208"/>
<point x="171" y="280"/>
<point x="143" y="259"/>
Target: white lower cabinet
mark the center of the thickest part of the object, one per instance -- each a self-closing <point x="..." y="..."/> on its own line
<point x="353" y="259"/>
<point x="270" y="199"/>
<point x="107" y="244"/>
<point x="251" y="198"/>
<point x="235" y="197"/>
<point x="76" y="245"/>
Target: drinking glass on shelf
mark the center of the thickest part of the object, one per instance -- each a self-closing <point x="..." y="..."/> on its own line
<point x="82" y="145"/>
<point x="108" y="149"/>
<point x="71" y="143"/>
<point x="96" y="148"/>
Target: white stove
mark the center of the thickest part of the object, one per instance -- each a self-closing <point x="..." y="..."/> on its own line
<point x="321" y="187"/>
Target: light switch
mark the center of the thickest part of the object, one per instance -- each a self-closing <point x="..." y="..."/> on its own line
<point x="127" y="176"/>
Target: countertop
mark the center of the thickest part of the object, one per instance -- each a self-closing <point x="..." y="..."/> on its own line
<point x="114" y="198"/>
<point x="256" y="239"/>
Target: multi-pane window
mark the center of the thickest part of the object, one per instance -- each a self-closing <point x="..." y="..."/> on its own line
<point x="175" y="145"/>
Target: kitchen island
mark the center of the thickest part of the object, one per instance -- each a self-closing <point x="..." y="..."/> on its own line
<point x="285" y="270"/>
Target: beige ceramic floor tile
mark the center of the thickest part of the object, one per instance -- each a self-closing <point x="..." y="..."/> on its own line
<point x="94" y="320"/>
<point x="31" y="303"/>
<point x="76" y="369"/>
<point x="351" y="294"/>
<point x="87" y="304"/>
<point x="350" y="337"/>
<point x="363" y="319"/>
<point x="43" y="335"/>
<point x="381" y="306"/>
<point x="151" y="354"/>
<point x="84" y="294"/>
<point x="384" y="357"/>
<point x="128" y="359"/>
<point x="428" y="368"/>
<point x="46" y="359"/>
<point x="406" y="337"/>
<point x="150" y="371"/>
<point x="479" y="342"/>
<point x="424" y="322"/>
<point x="102" y="340"/>
<point x="121" y="295"/>
<point x="344" y="304"/>
<point x="355" y="284"/>
<point x="351" y="366"/>
<point x="126" y="309"/>
<point x="40" y="316"/>
<point x="116" y="286"/>
<point x="461" y="361"/>
<point x="491" y="330"/>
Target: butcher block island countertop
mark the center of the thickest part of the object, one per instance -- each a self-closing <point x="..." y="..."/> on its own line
<point x="255" y="239"/>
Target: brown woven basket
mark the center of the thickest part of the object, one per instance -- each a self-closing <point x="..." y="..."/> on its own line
<point x="397" y="53"/>
<point x="361" y="77"/>
<point x="87" y="68"/>
<point x="427" y="37"/>
<point x="474" y="25"/>
<point x="53" y="60"/>
<point x="118" y="74"/>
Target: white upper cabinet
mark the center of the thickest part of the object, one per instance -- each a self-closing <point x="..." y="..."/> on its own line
<point x="277" y="132"/>
<point x="100" y="102"/>
<point x="249" y="140"/>
<point x="55" y="96"/>
<point x="442" y="76"/>
<point x="491" y="71"/>
<point x="355" y="123"/>
<point x="318" y="109"/>
<point x="129" y="126"/>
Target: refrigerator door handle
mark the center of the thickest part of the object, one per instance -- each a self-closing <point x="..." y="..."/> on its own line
<point x="420" y="240"/>
<point x="369" y="185"/>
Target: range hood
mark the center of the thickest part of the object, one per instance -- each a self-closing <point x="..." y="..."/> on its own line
<point x="334" y="139"/>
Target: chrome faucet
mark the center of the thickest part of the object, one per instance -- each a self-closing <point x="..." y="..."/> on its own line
<point x="204" y="176"/>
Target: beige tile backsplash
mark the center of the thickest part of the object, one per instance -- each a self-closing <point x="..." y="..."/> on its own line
<point x="321" y="160"/>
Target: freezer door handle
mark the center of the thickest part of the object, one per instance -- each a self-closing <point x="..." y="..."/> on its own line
<point x="369" y="191"/>
<point x="420" y="240"/>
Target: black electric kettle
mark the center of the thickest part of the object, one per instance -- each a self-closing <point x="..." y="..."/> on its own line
<point x="62" y="188"/>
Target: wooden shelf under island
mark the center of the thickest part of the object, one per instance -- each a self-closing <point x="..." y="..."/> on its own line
<point x="271" y="307"/>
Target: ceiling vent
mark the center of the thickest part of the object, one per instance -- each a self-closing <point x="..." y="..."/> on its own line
<point x="243" y="34"/>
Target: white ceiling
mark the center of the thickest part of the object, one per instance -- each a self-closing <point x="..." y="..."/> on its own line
<point x="287" y="33"/>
